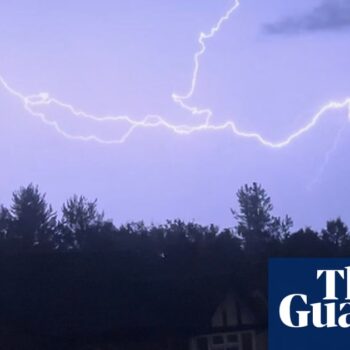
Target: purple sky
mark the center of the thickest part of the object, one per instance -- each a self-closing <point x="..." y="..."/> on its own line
<point x="270" y="68"/>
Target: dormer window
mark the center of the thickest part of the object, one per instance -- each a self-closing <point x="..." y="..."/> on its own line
<point x="225" y="341"/>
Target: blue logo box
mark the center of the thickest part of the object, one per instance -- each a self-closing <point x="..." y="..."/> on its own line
<point x="309" y="304"/>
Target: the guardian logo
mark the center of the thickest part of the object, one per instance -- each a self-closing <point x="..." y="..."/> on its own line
<point x="330" y="312"/>
<point x="309" y="304"/>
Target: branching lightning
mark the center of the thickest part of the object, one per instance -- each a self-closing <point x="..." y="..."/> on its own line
<point x="201" y="41"/>
<point x="32" y="102"/>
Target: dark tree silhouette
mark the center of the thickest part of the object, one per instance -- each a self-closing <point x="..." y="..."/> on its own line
<point x="80" y="218"/>
<point x="5" y="222"/>
<point x="32" y="220"/>
<point x="255" y="222"/>
<point x="305" y="243"/>
<point x="337" y="233"/>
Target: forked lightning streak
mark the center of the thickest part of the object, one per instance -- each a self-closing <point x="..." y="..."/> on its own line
<point x="31" y="103"/>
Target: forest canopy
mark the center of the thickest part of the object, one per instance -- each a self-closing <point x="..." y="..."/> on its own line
<point x="75" y="275"/>
<point x="30" y="224"/>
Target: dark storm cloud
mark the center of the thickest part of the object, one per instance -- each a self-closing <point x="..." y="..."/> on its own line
<point x="330" y="15"/>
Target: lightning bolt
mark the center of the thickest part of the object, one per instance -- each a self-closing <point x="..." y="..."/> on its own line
<point x="181" y="99"/>
<point x="32" y="102"/>
<point x="327" y="159"/>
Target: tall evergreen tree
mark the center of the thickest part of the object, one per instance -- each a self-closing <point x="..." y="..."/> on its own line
<point x="255" y="222"/>
<point x="33" y="222"/>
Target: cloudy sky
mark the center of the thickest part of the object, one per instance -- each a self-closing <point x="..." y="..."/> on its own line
<point x="272" y="66"/>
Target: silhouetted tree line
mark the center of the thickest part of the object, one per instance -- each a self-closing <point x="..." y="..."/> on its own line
<point x="31" y="225"/>
<point x="78" y="273"/>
